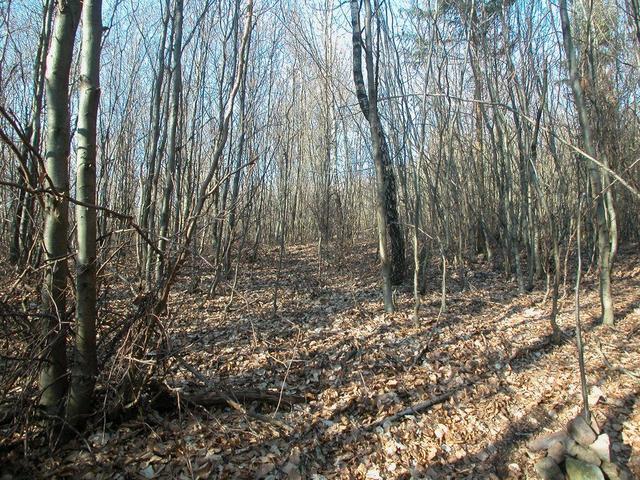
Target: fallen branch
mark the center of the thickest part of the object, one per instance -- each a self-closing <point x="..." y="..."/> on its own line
<point x="617" y="368"/>
<point x="227" y="400"/>
<point x="242" y="396"/>
<point x="235" y="398"/>
<point x="416" y="408"/>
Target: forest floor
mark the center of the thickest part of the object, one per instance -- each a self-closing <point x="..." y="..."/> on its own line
<point x="347" y="366"/>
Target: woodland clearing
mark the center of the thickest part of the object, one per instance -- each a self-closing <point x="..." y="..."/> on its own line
<point x="329" y="367"/>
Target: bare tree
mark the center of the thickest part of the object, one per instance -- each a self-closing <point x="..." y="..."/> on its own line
<point x="172" y="147"/>
<point x="602" y="224"/>
<point x="22" y="228"/>
<point x="389" y="230"/>
<point x="53" y="376"/>
<point x="84" y="369"/>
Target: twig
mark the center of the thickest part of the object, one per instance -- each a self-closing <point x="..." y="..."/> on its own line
<point x="257" y="416"/>
<point x="286" y="374"/>
<point x="234" y="399"/>
<point x="69" y="198"/>
<point x="417" y="408"/>
<point x="617" y="368"/>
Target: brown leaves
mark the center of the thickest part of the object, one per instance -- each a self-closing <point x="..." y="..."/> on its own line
<point x="331" y="346"/>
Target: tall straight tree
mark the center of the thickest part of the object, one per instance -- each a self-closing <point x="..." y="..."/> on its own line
<point x="153" y="146"/>
<point x="53" y="376"/>
<point x="174" y="119"/>
<point x="220" y="144"/>
<point x="392" y="259"/>
<point x="23" y="221"/>
<point x="595" y="174"/>
<point x="84" y="369"/>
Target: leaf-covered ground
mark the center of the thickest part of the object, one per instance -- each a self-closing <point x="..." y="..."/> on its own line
<point x="349" y="366"/>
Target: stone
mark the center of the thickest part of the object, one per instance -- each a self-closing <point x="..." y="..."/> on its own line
<point x="583" y="453"/>
<point x="595" y="394"/>
<point x="602" y="447"/>
<point x="557" y="451"/>
<point x="581" y="431"/>
<point x="579" y="470"/>
<point x="548" y="469"/>
<point x="613" y="472"/>
<point x="515" y="469"/>
<point x="545" y="441"/>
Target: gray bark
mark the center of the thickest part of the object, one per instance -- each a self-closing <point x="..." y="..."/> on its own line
<point x="392" y="253"/>
<point x="83" y="373"/>
<point x="53" y="376"/>
<point x="153" y="147"/>
<point x="21" y="241"/>
<point x="176" y="85"/>
<point x="221" y="141"/>
<point x="595" y="173"/>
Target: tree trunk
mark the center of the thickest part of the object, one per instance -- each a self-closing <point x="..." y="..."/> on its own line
<point x="392" y="259"/>
<point x="221" y="140"/>
<point x="176" y="86"/>
<point x="153" y="147"/>
<point x="53" y="376"/>
<point x="23" y="226"/>
<point x="83" y="373"/>
<point x="602" y="226"/>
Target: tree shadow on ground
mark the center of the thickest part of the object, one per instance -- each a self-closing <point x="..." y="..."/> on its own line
<point x="522" y="430"/>
<point x="250" y="346"/>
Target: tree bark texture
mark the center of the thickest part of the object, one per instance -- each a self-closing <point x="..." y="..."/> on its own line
<point x="53" y="375"/>
<point x="83" y="373"/>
